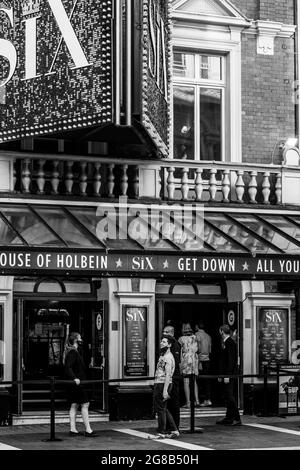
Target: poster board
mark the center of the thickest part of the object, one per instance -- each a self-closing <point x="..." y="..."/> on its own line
<point x="2" y="344"/>
<point x="288" y="395"/>
<point x="135" y="349"/>
<point x="272" y="336"/>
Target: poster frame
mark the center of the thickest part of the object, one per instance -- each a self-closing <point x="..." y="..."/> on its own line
<point x="259" y="365"/>
<point x="124" y="341"/>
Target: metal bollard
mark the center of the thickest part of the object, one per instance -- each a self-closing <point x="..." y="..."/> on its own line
<point x="265" y="393"/>
<point x="192" y="395"/>
<point x="277" y="386"/>
<point x="52" y="413"/>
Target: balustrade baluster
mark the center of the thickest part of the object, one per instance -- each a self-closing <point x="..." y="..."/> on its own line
<point x="26" y="175"/>
<point x="278" y="188"/>
<point x="55" y="177"/>
<point x="83" y="179"/>
<point x="212" y="184"/>
<point x="185" y="184"/>
<point x="124" y="180"/>
<point x="226" y="186"/>
<point x="159" y="173"/>
<point x="40" y="181"/>
<point x="15" y="177"/>
<point x="252" y="189"/>
<point x="111" y="180"/>
<point x="97" y="179"/>
<point x="69" y="178"/>
<point x="136" y="182"/>
<point x="240" y="186"/>
<point x="198" y="184"/>
<point x="266" y="187"/>
<point x="171" y="183"/>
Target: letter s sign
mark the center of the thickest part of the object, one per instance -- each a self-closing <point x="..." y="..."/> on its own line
<point x="296" y="352"/>
<point x="7" y="49"/>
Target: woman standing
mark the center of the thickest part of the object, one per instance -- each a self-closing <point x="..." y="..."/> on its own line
<point x="77" y="395"/>
<point x="189" y="361"/>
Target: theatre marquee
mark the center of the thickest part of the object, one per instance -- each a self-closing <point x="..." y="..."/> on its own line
<point x="55" y="62"/>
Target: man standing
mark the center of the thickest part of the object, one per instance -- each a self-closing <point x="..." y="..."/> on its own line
<point x="173" y="404"/>
<point x="162" y="389"/>
<point x="229" y="365"/>
<point x="204" y="351"/>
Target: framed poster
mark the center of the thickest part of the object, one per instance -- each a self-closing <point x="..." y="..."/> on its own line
<point x="2" y="344"/>
<point x="135" y="349"/>
<point x="272" y="336"/>
<point x="288" y="394"/>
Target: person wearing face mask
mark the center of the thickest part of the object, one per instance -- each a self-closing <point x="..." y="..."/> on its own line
<point x="229" y="365"/>
<point x="173" y="404"/>
<point x="162" y="389"/>
<point x="77" y="394"/>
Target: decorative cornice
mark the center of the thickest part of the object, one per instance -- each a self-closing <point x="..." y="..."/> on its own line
<point x="267" y="31"/>
<point x="271" y="28"/>
<point x="209" y="19"/>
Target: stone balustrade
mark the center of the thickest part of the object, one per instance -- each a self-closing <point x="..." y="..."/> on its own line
<point x="168" y="180"/>
<point x="226" y="183"/>
<point x="81" y="177"/>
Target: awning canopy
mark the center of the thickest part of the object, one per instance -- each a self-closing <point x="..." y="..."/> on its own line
<point x="163" y="234"/>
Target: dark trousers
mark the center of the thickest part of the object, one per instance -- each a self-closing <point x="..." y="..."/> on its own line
<point x="205" y="383"/>
<point x="173" y="405"/>
<point x="160" y="407"/>
<point x="232" y="411"/>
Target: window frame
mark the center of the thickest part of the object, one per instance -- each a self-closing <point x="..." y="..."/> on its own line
<point x="198" y="83"/>
<point x="214" y="42"/>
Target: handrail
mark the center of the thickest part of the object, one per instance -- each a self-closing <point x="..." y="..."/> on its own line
<point x="205" y="164"/>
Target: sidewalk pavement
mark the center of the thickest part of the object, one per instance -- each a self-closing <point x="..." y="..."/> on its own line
<point x="132" y="435"/>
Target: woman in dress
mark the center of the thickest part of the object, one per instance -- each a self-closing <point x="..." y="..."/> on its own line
<point x="77" y="394"/>
<point x="189" y="361"/>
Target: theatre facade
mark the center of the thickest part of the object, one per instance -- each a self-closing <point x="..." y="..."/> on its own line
<point x="149" y="174"/>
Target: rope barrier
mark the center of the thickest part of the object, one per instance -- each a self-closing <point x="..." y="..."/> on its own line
<point x="53" y="382"/>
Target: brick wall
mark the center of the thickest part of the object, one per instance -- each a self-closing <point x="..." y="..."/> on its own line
<point x="249" y="8"/>
<point x="267" y="99"/>
<point x="273" y="10"/>
<point x="268" y="112"/>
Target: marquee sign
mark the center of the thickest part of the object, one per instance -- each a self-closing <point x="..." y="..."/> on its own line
<point x="55" y="66"/>
<point x="148" y="264"/>
<point x="156" y="74"/>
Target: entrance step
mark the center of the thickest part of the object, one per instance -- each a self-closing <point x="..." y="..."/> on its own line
<point x="203" y="412"/>
<point x="42" y="417"/>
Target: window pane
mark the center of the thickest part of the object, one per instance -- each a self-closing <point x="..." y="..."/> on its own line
<point x="184" y="102"/>
<point x="29" y="226"/>
<point x="8" y="236"/>
<point x="267" y="233"/>
<point x="210" y="67"/>
<point x="65" y="227"/>
<point x="239" y="234"/>
<point x="210" y="124"/>
<point x="184" y="65"/>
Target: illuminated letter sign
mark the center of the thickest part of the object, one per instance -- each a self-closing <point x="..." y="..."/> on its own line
<point x="156" y="72"/>
<point x="7" y="49"/>
<point x="55" y="66"/>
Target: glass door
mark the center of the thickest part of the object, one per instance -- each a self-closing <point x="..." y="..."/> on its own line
<point x="98" y="363"/>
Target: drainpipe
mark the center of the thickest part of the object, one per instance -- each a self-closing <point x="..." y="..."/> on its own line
<point x="297" y="71"/>
<point x="297" y="124"/>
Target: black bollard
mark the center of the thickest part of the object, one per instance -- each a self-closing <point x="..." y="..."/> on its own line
<point x="192" y="395"/>
<point x="265" y="397"/>
<point x="52" y="413"/>
<point x="277" y="386"/>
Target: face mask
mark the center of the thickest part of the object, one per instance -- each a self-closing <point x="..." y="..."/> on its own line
<point x="163" y="350"/>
